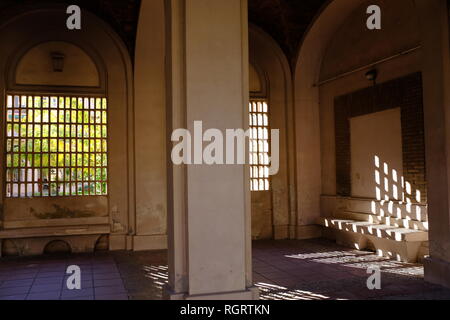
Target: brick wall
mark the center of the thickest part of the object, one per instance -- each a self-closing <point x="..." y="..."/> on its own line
<point x="405" y="93"/>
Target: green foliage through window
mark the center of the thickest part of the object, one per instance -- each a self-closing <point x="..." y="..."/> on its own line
<point x="56" y="146"/>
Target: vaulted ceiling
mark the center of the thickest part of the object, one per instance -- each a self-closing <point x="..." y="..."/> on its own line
<point x="122" y="15"/>
<point x="285" y="20"/>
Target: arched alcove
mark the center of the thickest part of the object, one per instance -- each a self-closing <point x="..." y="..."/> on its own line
<point x="344" y="120"/>
<point x="57" y="247"/>
<point x="343" y="54"/>
<point x="97" y="53"/>
<point x="307" y="111"/>
<point x="271" y="210"/>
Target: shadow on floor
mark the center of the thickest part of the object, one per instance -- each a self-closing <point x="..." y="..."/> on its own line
<point x="321" y="270"/>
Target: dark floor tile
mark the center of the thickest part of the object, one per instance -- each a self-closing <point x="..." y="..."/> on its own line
<point x="44" y="296"/>
<point x="5" y="292"/>
<point x="107" y="276"/>
<point x="44" y="288"/>
<point x="77" y="293"/>
<point x="42" y="275"/>
<point x="47" y="281"/>
<point x="108" y="282"/>
<point x="23" y="276"/>
<point x="85" y="284"/>
<point x="16" y="283"/>
<point x="86" y="298"/>
<point x="117" y="297"/>
<point x="112" y="290"/>
<point x="14" y="298"/>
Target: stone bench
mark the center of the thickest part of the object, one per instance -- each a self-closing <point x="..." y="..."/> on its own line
<point x="391" y="239"/>
<point x="27" y="241"/>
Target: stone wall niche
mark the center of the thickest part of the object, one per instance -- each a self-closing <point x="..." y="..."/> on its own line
<point x="53" y="61"/>
<point x="273" y="211"/>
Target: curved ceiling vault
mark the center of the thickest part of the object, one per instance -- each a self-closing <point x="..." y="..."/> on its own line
<point x="285" y="20"/>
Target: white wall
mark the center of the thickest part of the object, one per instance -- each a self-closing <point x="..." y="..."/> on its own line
<point x="377" y="134"/>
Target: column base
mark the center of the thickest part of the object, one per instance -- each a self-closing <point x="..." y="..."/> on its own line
<point x="308" y="232"/>
<point x="250" y="294"/>
<point x="147" y="243"/>
<point x="281" y="232"/>
<point x="137" y="243"/>
<point x="117" y="242"/>
<point x="437" y="271"/>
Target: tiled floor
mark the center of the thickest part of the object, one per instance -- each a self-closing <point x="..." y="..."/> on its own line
<point x="297" y="270"/>
<point x="45" y="279"/>
<point x="322" y="270"/>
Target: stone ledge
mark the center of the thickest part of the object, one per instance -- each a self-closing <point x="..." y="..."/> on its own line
<point x="394" y="243"/>
<point x="35" y="246"/>
<point x="281" y="232"/>
<point x="74" y="230"/>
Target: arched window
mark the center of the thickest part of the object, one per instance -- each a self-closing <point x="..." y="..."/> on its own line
<point x="56" y="111"/>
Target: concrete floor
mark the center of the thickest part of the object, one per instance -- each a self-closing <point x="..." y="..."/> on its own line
<point x="291" y="270"/>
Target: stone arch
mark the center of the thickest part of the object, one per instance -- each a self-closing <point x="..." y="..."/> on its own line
<point x="102" y="244"/>
<point x="313" y="165"/>
<point x="306" y="99"/>
<point x="57" y="247"/>
<point x="111" y="58"/>
<point x="8" y="248"/>
<point x="273" y="68"/>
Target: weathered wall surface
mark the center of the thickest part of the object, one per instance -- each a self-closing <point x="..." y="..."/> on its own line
<point x="150" y="137"/>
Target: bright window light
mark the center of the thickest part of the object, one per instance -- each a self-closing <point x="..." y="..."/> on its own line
<point x="56" y="146"/>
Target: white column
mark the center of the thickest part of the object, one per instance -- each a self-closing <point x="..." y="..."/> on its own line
<point x="209" y="206"/>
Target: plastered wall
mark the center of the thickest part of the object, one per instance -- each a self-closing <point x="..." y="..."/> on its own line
<point x="150" y="139"/>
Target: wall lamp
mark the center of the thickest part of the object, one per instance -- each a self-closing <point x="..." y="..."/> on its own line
<point x="372" y="75"/>
<point x="57" y="61"/>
